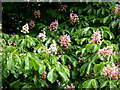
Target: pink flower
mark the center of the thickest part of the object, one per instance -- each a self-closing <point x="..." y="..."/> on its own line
<point x="64" y="40"/>
<point x="104" y="74"/>
<point x="54" y="26"/>
<point x="37" y="13"/>
<point x="63" y="8"/>
<point x="111" y="71"/>
<point x="31" y="24"/>
<point x="107" y="51"/>
<point x="73" y="17"/>
<point x="12" y="34"/>
<point x="117" y="9"/>
<point x="96" y="37"/>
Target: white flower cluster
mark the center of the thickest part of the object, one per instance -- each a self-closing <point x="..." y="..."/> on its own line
<point x="42" y="35"/>
<point x="51" y="49"/>
<point x="25" y="28"/>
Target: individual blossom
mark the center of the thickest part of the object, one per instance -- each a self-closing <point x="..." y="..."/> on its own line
<point x="64" y="40"/>
<point x="63" y="8"/>
<point x="42" y="35"/>
<point x="12" y="34"/>
<point x="51" y="50"/>
<point x="54" y="26"/>
<point x="52" y="47"/>
<point x="15" y="42"/>
<point x="74" y="18"/>
<point x="111" y="71"/>
<point x="25" y="28"/>
<point x="80" y="59"/>
<point x="96" y="37"/>
<point x="107" y="51"/>
<point x="59" y="51"/>
<point x="58" y="82"/>
<point x="69" y="67"/>
<point x="37" y="13"/>
<point x="45" y="49"/>
<point x="31" y="24"/>
<point x="38" y="5"/>
<point x="44" y="76"/>
<point x="71" y="87"/>
<point x="9" y="42"/>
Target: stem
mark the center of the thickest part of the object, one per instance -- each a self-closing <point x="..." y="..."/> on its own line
<point x="5" y="80"/>
<point x="99" y="77"/>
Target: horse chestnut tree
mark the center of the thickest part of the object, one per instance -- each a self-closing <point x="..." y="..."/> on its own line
<point x="60" y="45"/>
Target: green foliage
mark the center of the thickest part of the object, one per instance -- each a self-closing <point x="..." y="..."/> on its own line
<point x="24" y="62"/>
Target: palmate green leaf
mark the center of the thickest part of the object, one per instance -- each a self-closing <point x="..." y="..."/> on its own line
<point x="12" y="39"/>
<point x="63" y="71"/>
<point x="95" y="48"/>
<point x="112" y="84"/>
<point x="26" y="63"/>
<point x="106" y="30"/>
<point x="110" y="34"/>
<point x="103" y="84"/>
<point x="18" y="59"/>
<point x="52" y="76"/>
<point x="68" y="58"/>
<point x="83" y="51"/>
<point x="113" y="24"/>
<point x="23" y="43"/>
<point x="103" y="11"/>
<point x="11" y="61"/>
<point x="87" y="84"/>
<point x="82" y="40"/>
<point x="89" y="46"/>
<point x="95" y="83"/>
<point x="15" y="84"/>
<point x="53" y="59"/>
<point x="63" y="59"/>
<point x="35" y="80"/>
<point x="27" y="86"/>
<point x="105" y="19"/>
<point x="75" y="63"/>
<point x="66" y="70"/>
<point x="107" y="42"/>
<point x="82" y="69"/>
<point x="98" y="11"/>
<point x="94" y="20"/>
<point x="78" y="51"/>
<point x="9" y="49"/>
<point x="30" y="39"/>
<point x="63" y="74"/>
<point x="102" y="57"/>
<point x="85" y="30"/>
<point x="115" y="46"/>
<point x="89" y="68"/>
<point x="92" y="47"/>
<point x="48" y="64"/>
<point x="63" y="31"/>
<point x="35" y="63"/>
<point x="5" y="73"/>
<point x="28" y="42"/>
<point x="42" y="68"/>
<point x="6" y="36"/>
